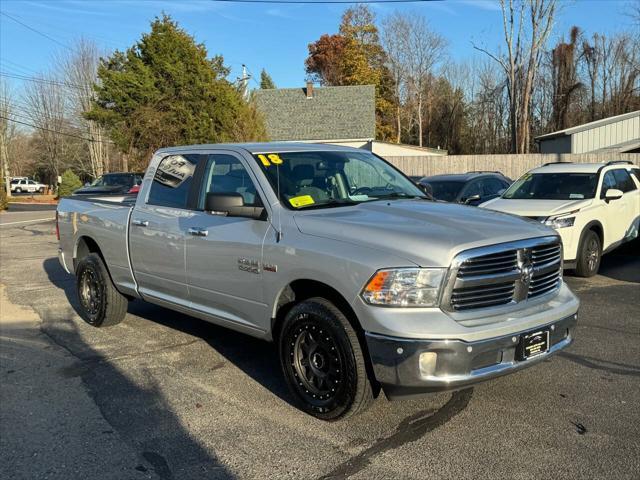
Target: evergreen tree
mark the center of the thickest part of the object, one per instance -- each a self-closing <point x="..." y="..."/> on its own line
<point x="70" y="183"/>
<point x="165" y="91"/>
<point x="266" y="82"/>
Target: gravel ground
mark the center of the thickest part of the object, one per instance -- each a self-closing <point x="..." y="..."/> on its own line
<point x="167" y="396"/>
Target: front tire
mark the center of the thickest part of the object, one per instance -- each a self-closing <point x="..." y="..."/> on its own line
<point x="322" y="361"/>
<point x="101" y="305"/>
<point x="41" y="190"/>
<point x="589" y="255"/>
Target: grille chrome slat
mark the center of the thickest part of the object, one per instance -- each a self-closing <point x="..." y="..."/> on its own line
<point x="491" y="277"/>
<point x="542" y="285"/>
<point x="507" y="295"/>
<point x="483" y="303"/>
<point x="545" y="256"/>
<point x="547" y="289"/>
<point x="474" y="291"/>
<point x="490" y="264"/>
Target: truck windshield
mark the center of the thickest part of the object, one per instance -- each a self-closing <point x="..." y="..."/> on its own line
<point x="553" y="186"/>
<point x="325" y="179"/>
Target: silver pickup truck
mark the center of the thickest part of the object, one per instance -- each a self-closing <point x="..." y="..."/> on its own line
<point x="362" y="281"/>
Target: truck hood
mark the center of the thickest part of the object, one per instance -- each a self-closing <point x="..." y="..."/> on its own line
<point x="535" y="208"/>
<point x="425" y="233"/>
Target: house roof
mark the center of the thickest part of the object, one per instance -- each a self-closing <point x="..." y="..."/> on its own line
<point x="331" y="113"/>
<point x="588" y="126"/>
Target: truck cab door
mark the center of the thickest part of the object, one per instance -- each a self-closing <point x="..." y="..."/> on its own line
<point x="157" y="226"/>
<point x="224" y="254"/>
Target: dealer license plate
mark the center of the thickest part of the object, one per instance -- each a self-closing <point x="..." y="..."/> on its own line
<point x="533" y="344"/>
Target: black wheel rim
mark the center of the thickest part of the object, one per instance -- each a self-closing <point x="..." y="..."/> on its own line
<point x="592" y="253"/>
<point x="90" y="292"/>
<point x="317" y="363"/>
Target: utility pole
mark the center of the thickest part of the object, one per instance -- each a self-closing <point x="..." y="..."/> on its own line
<point x="243" y="81"/>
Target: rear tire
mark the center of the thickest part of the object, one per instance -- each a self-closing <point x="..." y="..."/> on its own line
<point x="589" y="255"/>
<point x="322" y="361"/>
<point x="18" y="190"/>
<point x="101" y="305"/>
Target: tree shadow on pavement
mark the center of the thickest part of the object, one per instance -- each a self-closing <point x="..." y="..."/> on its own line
<point x="623" y="263"/>
<point x="65" y="440"/>
<point x="256" y="358"/>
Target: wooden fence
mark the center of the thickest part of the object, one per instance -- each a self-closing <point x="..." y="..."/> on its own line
<point x="510" y="165"/>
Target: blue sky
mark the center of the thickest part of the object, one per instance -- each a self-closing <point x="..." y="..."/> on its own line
<point x="272" y="36"/>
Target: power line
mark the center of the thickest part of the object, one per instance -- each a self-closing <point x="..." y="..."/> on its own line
<point x="323" y="2"/>
<point x="35" y="30"/>
<point x="320" y="2"/>
<point x="55" y="131"/>
<point x="41" y="80"/>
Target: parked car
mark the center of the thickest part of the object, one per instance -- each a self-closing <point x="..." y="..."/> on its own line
<point x="334" y="254"/>
<point x="20" y="185"/>
<point x="470" y="188"/>
<point x="112" y="183"/>
<point x="595" y="207"/>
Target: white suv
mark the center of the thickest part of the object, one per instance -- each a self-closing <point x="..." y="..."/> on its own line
<point x="19" y="185"/>
<point x="595" y="207"/>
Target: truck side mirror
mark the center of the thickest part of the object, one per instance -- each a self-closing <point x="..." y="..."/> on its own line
<point x="231" y="204"/>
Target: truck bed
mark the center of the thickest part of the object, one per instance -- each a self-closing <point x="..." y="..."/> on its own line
<point x="104" y="219"/>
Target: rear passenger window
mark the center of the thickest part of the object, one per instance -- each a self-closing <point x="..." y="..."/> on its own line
<point x="172" y="181"/>
<point x="226" y="174"/>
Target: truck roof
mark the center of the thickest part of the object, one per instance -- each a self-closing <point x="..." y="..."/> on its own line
<point x="262" y="147"/>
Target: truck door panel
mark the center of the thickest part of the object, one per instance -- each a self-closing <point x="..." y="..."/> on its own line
<point x="157" y="238"/>
<point x="224" y="254"/>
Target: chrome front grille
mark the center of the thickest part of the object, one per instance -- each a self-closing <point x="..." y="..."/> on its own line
<point x="504" y="274"/>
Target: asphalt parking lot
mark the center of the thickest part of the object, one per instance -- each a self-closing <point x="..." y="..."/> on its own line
<point x="167" y="396"/>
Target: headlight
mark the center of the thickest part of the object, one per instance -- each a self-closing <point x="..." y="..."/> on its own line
<point x="560" y="222"/>
<point x="404" y="287"/>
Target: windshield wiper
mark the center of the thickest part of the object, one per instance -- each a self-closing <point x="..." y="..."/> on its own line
<point x="329" y="204"/>
<point x="399" y="195"/>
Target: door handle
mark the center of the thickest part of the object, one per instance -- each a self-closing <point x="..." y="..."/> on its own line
<point x="140" y="223"/>
<point x="198" y="232"/>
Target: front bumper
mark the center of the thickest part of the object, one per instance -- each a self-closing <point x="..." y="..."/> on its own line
<point x="396" y="361"/>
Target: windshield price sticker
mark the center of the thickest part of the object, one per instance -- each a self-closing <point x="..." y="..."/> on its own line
<point x="301" y="201"/>
<point x="269" y="159"/>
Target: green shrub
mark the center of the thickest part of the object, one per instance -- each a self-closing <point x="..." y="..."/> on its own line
<point x="70" y="183"/>
<point x="3" y="198"/>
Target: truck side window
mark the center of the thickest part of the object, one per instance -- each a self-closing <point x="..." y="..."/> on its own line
<point x="226" y="174"/>
<point x="172" y="181"/>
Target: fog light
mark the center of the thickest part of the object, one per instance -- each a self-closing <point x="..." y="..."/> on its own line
<point x="428" y="363"/>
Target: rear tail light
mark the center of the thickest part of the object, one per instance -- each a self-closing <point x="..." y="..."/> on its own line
<point x="57" y="227"/>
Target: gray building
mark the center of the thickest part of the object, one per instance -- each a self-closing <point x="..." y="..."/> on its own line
<point x="619" y="134"/>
